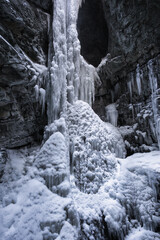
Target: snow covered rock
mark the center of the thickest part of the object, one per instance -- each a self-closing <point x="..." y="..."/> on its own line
<point x="37" y="214"/>
<point x="93" y="147"/>
<point x="126" y="206"/>
<point x="52" y="164"/>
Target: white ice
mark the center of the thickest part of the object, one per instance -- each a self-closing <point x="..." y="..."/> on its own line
<point x="112" y="114"/>
<point x="72" y="78"/>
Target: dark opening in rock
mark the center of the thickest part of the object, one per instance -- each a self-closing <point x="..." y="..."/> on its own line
<point x="92" y="31"/>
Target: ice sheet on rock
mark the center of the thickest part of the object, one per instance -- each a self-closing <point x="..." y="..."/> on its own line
<point x="93" y="144"/>
<point x="9" y="45"/>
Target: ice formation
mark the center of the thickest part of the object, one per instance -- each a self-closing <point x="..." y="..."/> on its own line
<point x="72" y="77"/>
<point x="93" y="147"/>
<point x="155" y="99"/>
<point x="77" y="186"/>
<point x="130" y="85"/>
<point x="112" y="114"/>
<point x="125" y="205"/>
<point x="138" y="79"/>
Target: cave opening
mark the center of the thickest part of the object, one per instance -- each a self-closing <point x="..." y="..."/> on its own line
<point x="92" y="31"/>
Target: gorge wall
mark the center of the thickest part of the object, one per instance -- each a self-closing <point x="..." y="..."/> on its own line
<point x="78" y="184"/>
<point x="131" y="38"/>
<point x="23" y="61"/>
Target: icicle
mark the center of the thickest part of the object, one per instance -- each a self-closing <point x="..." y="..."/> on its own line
<point x="130" y="84"/>
<point x="112" y="114"/>
<point x="138" y="79"/>
<point x="10" y="46"/>
<point x="36" y="87"/>
<point x="42" y="94"/>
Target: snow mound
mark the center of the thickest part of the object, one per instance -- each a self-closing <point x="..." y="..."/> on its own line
<point x="37" y="214"/>
<point x="142" y="234"/>
<point x="51" y="162"/>
<point x="28" y="209"/>
<point x="126" y="206"/>
<point x="93" y="147"/>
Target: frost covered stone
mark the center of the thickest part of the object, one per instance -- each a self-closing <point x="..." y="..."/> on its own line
<point x="93" y="147"/>
<point x="51" y="162"/>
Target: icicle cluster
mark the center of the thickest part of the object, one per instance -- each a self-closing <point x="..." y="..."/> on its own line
<point x="72" y="78"/>
<point x="155" y="99"/>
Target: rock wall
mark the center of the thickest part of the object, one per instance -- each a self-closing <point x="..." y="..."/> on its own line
<point x="24" y="27"/>
<point x="133" y="41"/>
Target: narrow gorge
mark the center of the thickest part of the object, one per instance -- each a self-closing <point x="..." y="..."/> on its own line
<point x="79" y="120"/>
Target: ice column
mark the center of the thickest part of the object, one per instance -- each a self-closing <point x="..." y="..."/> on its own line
<point x="112" y="114"/>
<point x="80" y="74"/>
<point x="130" y="84"/>
<point x="58" y="71"/>
<point x="155" y="98"/>
<point x="71" y="77"/>
<point x="138" y="79"/>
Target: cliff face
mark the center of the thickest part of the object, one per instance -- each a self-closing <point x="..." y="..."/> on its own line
<point x="23" y="45"/>
<point x="126" y="78"/>
<point x="128" y="32"/>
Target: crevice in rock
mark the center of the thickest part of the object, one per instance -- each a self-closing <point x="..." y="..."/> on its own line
<point x="92" y="31"/>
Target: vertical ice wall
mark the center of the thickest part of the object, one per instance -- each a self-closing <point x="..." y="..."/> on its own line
<point x="155" y="99"/>
<point x="71" y="77"/>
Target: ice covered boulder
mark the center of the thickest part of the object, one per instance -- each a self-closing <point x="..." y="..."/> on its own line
<point x="94" y="145"/>
<point x="38" y="214"/>
<point x="51" y="162"/>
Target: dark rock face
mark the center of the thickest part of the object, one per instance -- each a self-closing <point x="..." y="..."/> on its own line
<point x="92" y="31"/>
<point x="133" y="41"/>
<point x="23" y="45"/>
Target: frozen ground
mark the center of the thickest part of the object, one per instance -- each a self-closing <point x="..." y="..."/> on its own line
<point x="125" y="205"/>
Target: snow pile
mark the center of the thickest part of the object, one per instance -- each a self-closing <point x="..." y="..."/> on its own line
<point x="142" y="234"/>
<point x="36" y="214"/>
<point x="126" y="205"/>
<point x="93" y="147"/>
<point x="52" y="164"/>
<point x="28" y="209"/>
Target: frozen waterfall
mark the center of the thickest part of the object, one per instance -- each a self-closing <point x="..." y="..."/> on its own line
<point x="71" y="77"/>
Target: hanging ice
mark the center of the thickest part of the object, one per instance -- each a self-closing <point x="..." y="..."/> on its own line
<point x="112" y="114"/>
<point x="138" y="79"/>
<point x="155" y="97"/>
<point x="71" y="77"/>
<point x="130" y="84"/>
